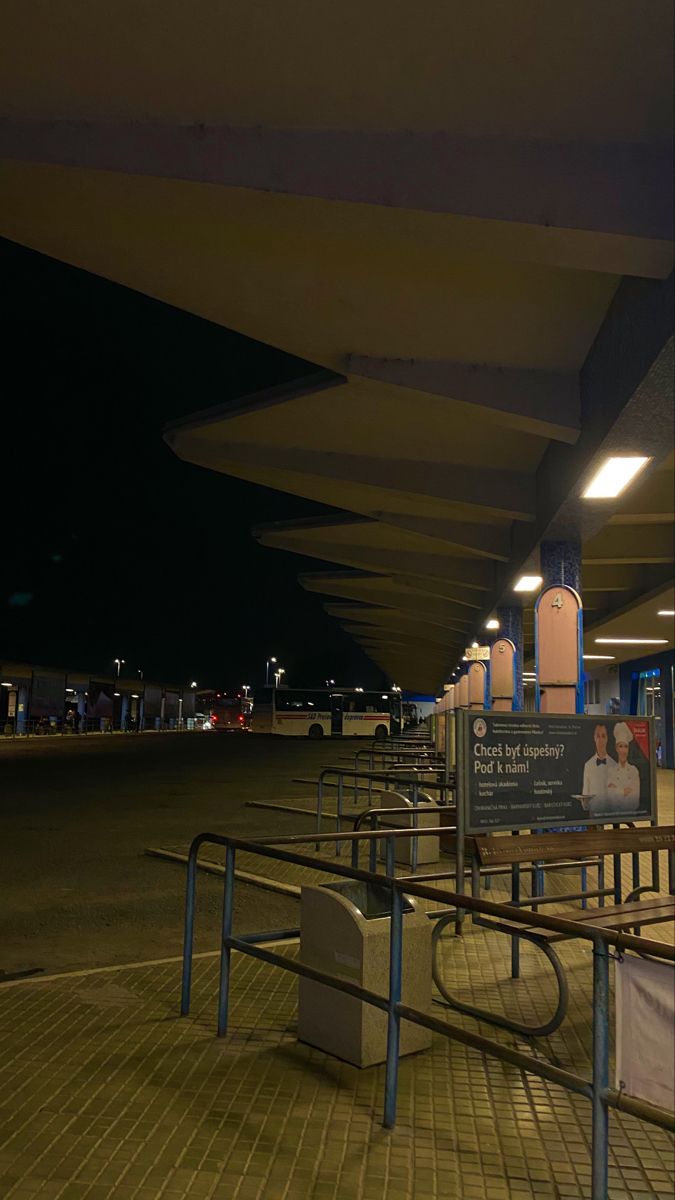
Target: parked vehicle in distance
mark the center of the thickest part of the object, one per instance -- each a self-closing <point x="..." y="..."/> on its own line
<point x="220" y="712"/>
<point x="324" y="712"/>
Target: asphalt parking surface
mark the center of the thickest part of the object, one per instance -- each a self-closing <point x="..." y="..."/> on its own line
<point x="78" y="813"/>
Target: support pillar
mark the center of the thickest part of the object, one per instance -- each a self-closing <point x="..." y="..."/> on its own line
<point x="561" y="563"/>
<point x="511" y="626"/>
<point x="21" y="724"/>
<point x="561" y="568"/>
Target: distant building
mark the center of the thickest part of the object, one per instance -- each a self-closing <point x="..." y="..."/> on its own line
<point x="37" y="700"/>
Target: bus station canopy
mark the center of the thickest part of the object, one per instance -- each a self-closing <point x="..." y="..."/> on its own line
<point x="460" y="220"/>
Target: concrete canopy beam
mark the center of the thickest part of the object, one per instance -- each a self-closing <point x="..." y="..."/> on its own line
<point x="373" y="633"/>
<point x="392" y="595"/>
<point x="398" y="531"/>
<point x="431" y="566"/>
<point x="468" y="537"/>
<point x="361" y="584"/>
<point x="385" y="484"/>
<point x="515" y="189"/>
<point x="622" y="577"/>
<point x="398" y="618"/>
<point x="545" y="403"/>
<point x="627" y="403"/>
<point x="388" y="620"/>
<point x="623" y="544"/>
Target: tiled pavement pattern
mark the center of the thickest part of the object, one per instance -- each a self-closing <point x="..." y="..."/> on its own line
<point x="107" y="1093"/>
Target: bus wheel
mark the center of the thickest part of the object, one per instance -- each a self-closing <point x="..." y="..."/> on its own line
<point x="380" y="733"/>
<point x="316" y="731"/>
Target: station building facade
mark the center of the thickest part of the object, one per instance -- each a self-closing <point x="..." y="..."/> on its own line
<point x="42" y="700"/>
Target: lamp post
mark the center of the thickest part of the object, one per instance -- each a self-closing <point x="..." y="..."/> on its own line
<point x="272" y="659"/>
<point x="246" y="687"/>
<point x="277" y="676"/>
<point x="119" y="663"/>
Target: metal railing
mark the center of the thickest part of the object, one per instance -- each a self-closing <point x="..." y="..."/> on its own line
<point x="57" y="727"/>
<point x="397" y="776"/>
<point x="417" y="755"/>
<point x="596" y="1089"/>
<point x="374" y="814"/>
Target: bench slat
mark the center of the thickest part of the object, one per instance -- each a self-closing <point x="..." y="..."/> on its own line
<point x="619" y="916"/>
<point x="657" y="904"/>
<point x="551" y="847"/>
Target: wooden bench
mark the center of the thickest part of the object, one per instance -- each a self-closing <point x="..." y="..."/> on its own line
<point x="562" y="848"/>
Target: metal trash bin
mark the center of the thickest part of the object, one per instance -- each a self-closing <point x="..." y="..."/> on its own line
<point x="428" y="848"/>
<point x="345" y="930"/>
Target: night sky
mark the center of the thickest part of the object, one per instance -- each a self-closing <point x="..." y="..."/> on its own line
<point x="113" y="547"/>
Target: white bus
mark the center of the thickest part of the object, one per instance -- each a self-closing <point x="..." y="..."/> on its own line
<point x="323" y="712"/>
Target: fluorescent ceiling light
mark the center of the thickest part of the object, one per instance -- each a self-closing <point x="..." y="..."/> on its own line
<point x="528" y="583"/>
<point x="666" y="612"/>
<point x="631" y="641"/>
<point x="492" y="623"/>
<point x="598" y="656"/>
<point x="614" y="475"/>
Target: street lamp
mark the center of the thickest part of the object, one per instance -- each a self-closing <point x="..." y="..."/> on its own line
<point x="119" y="662"/>
<point x="330" y="683"/>
<point x="272" y="659"/>
<point x="277" y="676"/>
<point x="246" y="687"/>
<point x="194" y="683"/>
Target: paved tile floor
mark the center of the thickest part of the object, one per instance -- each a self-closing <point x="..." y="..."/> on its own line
<point x="106" y="1092"/>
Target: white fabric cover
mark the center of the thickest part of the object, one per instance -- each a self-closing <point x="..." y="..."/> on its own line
<point x="645" y="1030"/>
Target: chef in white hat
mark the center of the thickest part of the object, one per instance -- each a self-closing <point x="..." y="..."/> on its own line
<point x="623" y="779"/>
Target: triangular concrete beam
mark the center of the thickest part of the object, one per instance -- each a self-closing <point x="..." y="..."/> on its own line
<point x="544" y="403"/>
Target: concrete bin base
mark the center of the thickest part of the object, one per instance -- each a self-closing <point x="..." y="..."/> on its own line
<point x="428" y="848"/>
<point x="344" y="930"/>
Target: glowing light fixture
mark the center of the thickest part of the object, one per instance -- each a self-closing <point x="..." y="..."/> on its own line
<point x="666" y="612"/>
<point x="528" y="583"/>
<point x="614" y="475"/>
<point x="631" y="641"/>
<point x="3" y="684"/>
<point x="599" y="656"/>
<point x="493" y="623"/>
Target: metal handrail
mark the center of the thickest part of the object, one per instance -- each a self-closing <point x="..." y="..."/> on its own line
<point x="597" y="1090"/>
<point x="374" y="814"/>
<point x="342" y="773"/>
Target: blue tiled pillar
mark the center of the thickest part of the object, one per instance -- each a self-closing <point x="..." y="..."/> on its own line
<point x="561" y="563"/>
<point x="511" y="626"/>
<point x="21" y="722"/>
